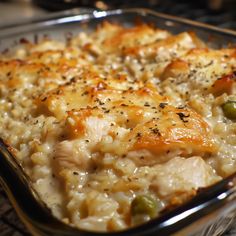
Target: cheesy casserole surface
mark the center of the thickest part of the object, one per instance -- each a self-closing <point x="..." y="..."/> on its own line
<point x="117" y="125"/>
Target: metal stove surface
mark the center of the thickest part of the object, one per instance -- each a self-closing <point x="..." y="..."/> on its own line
<point x="202" y="10"/>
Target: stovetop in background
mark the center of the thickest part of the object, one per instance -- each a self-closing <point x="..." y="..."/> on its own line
<point x="201" y="10"/>
<point x="222" y="14"/>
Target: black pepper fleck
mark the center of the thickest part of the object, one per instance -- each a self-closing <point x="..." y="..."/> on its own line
<point x="182" y="116"/>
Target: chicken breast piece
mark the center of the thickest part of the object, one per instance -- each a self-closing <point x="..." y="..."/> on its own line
<point x="182" y="175"/>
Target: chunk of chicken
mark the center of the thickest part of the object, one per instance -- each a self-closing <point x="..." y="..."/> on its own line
<point x="71" y="155"/>
<point x="182" y="175"/>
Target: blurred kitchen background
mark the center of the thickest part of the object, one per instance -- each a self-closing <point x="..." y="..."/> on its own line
<point x="217" y="12"/>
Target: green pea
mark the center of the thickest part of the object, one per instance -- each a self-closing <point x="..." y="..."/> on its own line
<point x="144" y="204"/>
<point x="229" y="109"/>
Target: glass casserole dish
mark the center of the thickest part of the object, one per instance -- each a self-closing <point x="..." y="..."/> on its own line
<point x="187" y="219"/>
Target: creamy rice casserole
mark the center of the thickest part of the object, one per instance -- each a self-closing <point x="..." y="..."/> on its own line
<point x="116" y="125"/>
